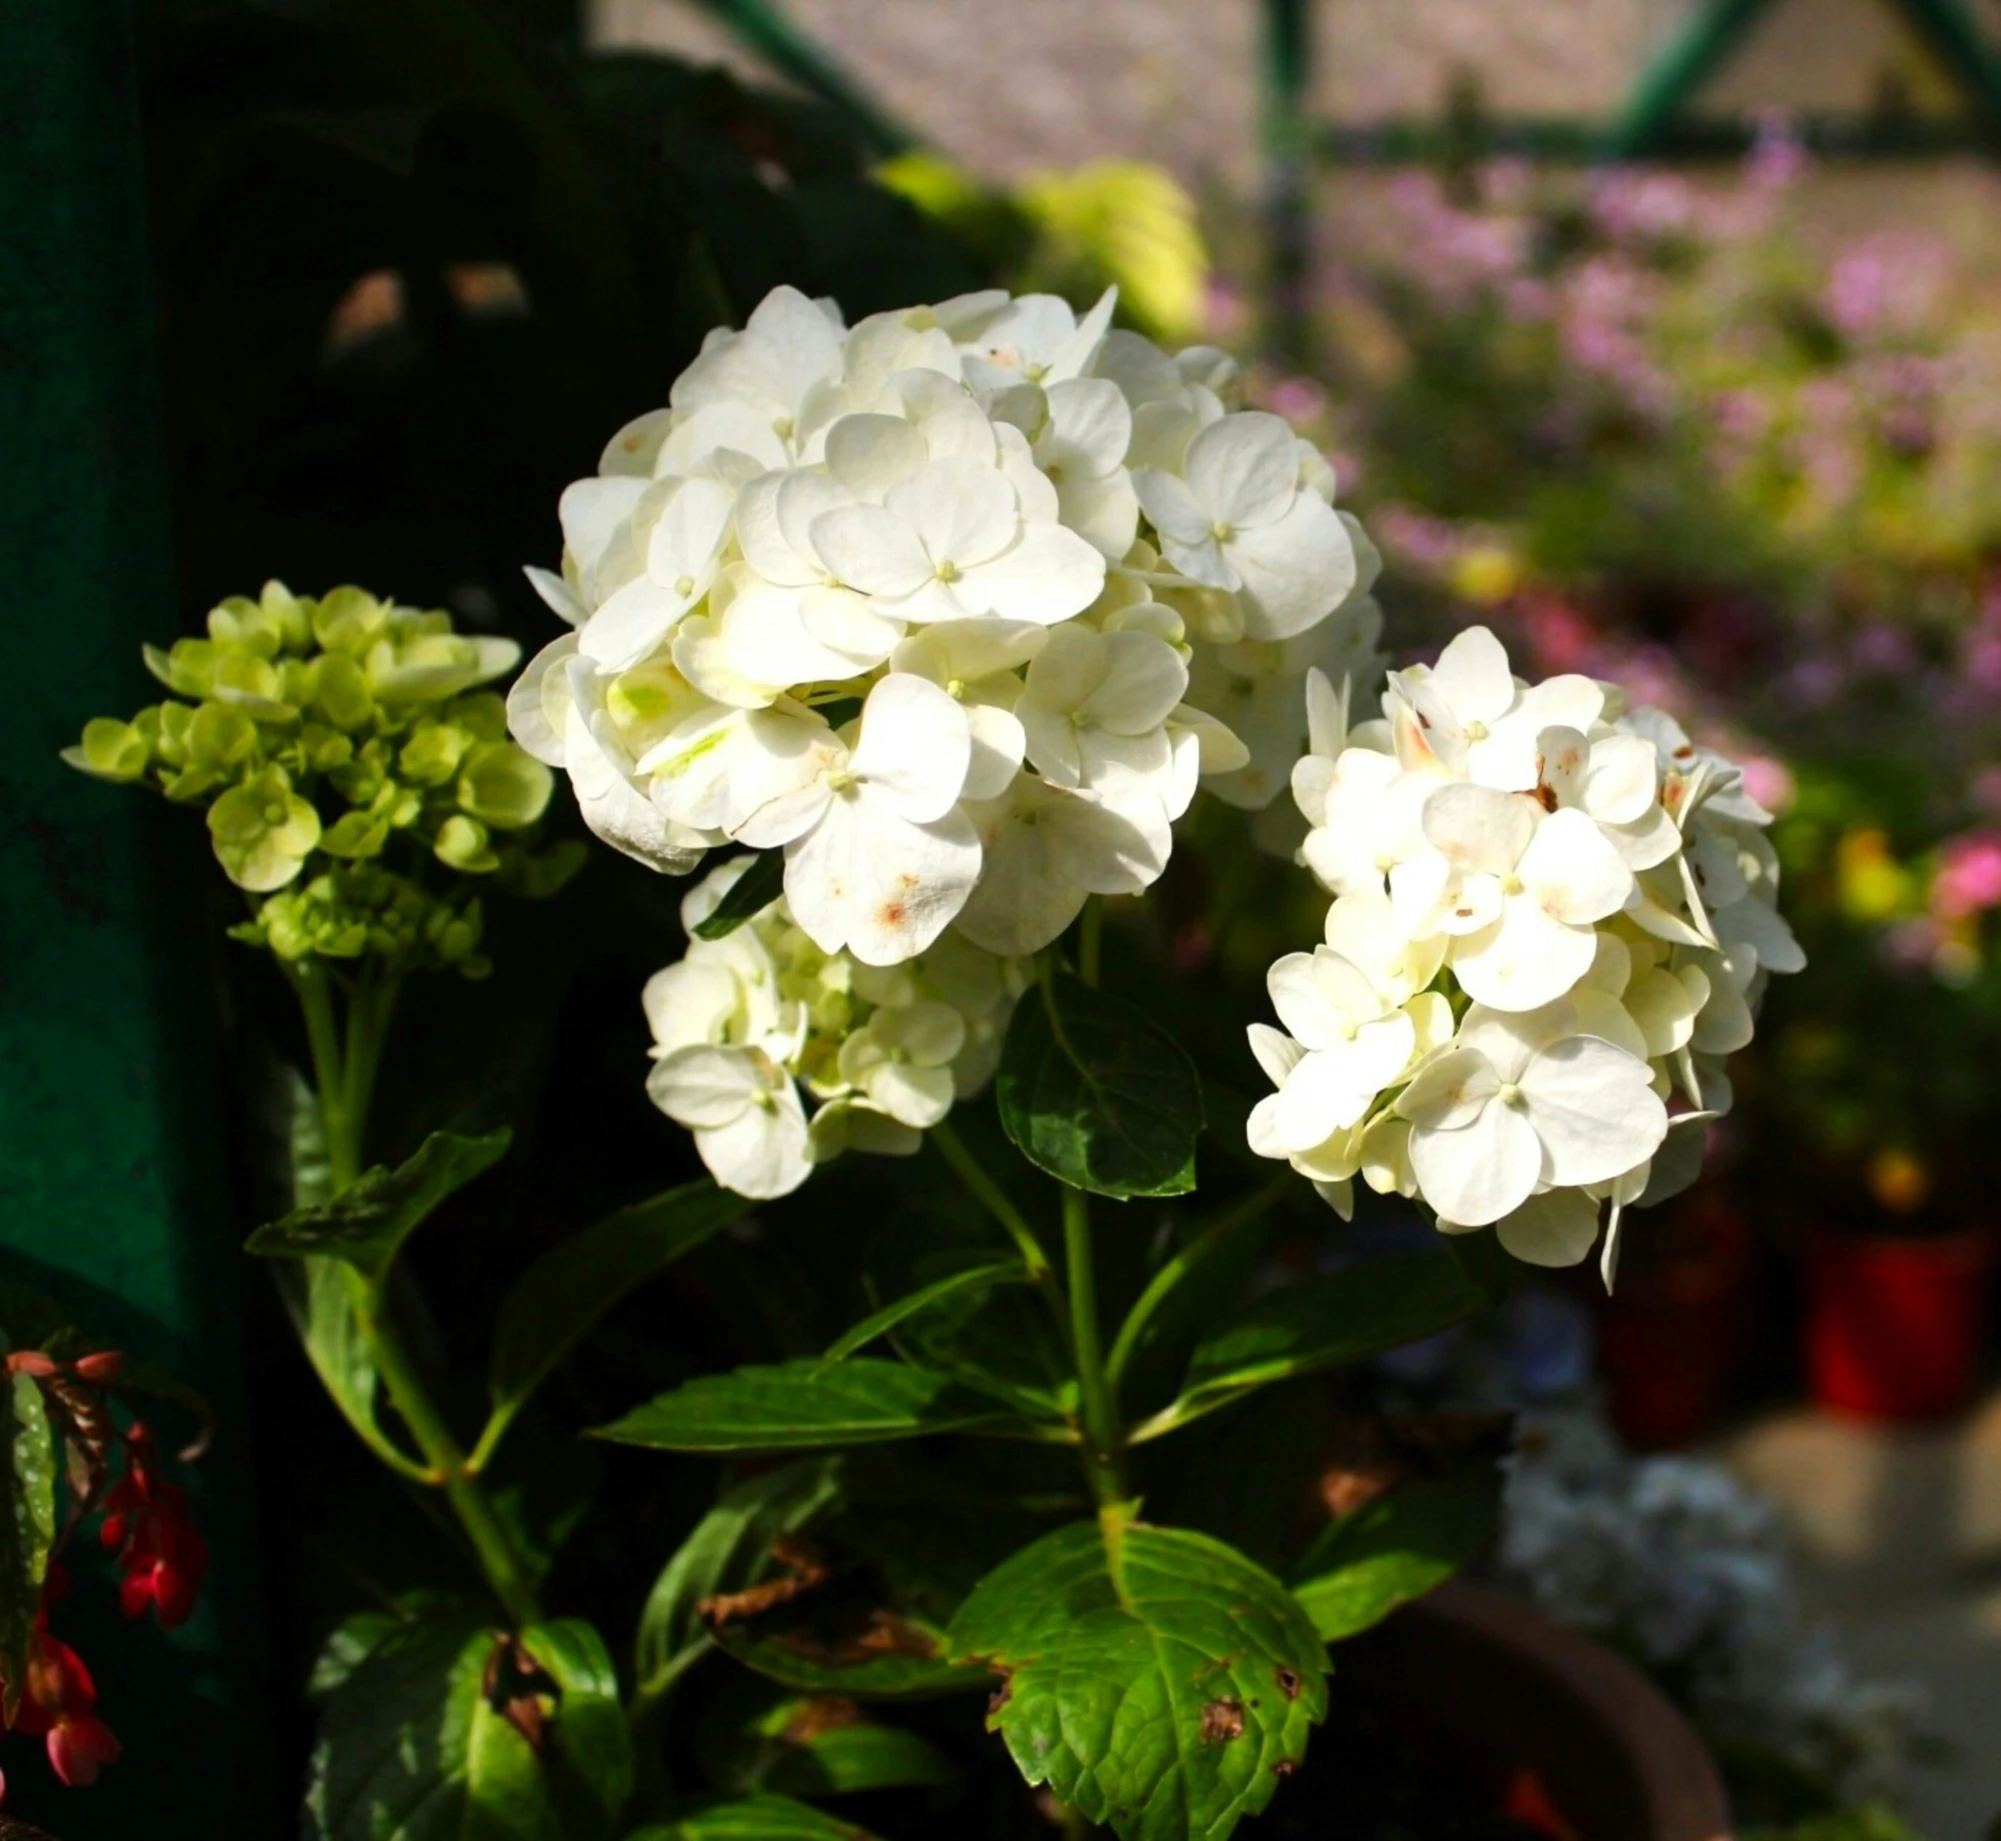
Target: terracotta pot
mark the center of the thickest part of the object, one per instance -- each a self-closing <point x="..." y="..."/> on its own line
<point x="1894" y="1326"/>
<point x="1557" y="1726"/>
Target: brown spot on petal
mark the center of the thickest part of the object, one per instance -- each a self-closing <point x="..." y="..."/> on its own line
<point x="1222" y="1721"/>
<point x="1545" y="795"/>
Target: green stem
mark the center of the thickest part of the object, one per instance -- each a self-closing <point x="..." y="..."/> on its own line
<point x="1253" y="1207"/>
<point x="346" y="1081"/>
<point x="315" y="993"/>
<point x="491" y="1541"/>
<point x="1104" y="1439"/>
<point x="991" y="1196"/>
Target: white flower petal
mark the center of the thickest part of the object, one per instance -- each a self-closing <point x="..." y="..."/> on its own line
<point x="1473" y="678"/>
<point x="1554" y="1229"/>
<point x="1243" y="470"/>
<point x="763" y="1154"/>
<point x="1574" y="875"/>
<point x="873" y="550"/>
<point x="871" y="881"/>
<point x="1480" y="1172"/>
<point x="915" y="747"/>
<point x="703" y="1086"/>
<point x="1294" y="572"/>
<point x="1594" y="1109"/>
<point x="1479" y="829"/>
<point x="1523" y="960"/>
<point x="1450" y="1091"/>
<point x="1048" y="574"/>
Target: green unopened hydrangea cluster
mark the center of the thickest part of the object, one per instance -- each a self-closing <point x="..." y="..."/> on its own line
<point x="345" y="750"/>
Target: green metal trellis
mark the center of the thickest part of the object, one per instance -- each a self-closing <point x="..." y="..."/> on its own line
<point x="1656" y="122"/>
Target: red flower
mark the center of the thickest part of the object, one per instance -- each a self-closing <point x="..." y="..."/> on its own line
<point x="59" y="1699"/>
<point x="146" y="1526"/>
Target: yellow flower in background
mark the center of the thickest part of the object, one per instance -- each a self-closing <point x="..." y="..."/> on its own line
<point x="1113" y="222"/>
<point x="1135" y="225"/>
<point x="1872" y="884"/>
<point x="1487" y="575"/>
<point x="1899" y="1182"/>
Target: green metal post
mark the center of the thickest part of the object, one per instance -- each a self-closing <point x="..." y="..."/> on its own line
<point x="110" y="1196"/>
<point x="764" y="28"/>
<point x="1696" y="53"/>
<point x="1288" y="152"/>
<point x="1957" y="42"/>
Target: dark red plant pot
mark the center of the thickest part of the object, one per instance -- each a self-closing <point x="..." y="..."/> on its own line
<point x="1671" y="1339"/>
<point x="1894" y="1326"/>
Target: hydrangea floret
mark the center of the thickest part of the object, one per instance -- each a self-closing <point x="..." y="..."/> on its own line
<point x="342" y="746"/>
<point x="749" y="1026"/>
<point x="956" y="607"/>
<point x="1553" y="920"/>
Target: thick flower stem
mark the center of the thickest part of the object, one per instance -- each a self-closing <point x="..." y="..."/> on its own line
<point x="1104" y="1438"/>
<point x="345" y="1079"/>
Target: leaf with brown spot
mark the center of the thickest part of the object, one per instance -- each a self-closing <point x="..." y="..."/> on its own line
<point x="1133" y="1677"/>
<point x="1222" y="1721"/>
<point x="804" y="1570"/>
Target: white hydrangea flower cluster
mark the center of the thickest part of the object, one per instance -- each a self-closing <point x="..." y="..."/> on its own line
<point x="743" y="1023"/>
<point x="1553" y="920"/>
<point x="956" y="607"/>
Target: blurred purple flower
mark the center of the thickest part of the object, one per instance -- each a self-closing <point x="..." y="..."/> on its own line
<point x="1884" y="649"/>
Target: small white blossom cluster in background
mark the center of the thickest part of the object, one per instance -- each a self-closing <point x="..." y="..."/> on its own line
<point x="956" y="607"/>
<point x="743" y="1023"/>
<point x="1674" y="1561"/>
<point x="1553" y="920"/>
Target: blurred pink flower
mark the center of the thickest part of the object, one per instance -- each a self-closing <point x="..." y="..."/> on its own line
<point x="1633" y="206"/>
<point x="1910" y="945"/>
<point x="1298" y="399"/>
<point x="1968" y="881"/>
<point x="1561" y="636"/>
<point x="1888" y="283"/>
<point x="1769" y="781"/>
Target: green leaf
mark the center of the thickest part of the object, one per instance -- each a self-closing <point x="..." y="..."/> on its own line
<point x="416" y="1743"/>
<point x="561" y="1297"/>
<point x="794" y="1407"/>
<point x="27" y="1528"/>
<point x="315" y="1295"/>
<point x="974" y="1278"/>
<point x="1098" y="1095"/>
<point x="752" y="892"/>
<point x="754" y="1818"/>
<point x="847" y="1757"/>
<point x="1394" y="1549"/>
<point x="818" y="1746"/>
<point x="1154" y="1679"/>
<point x="841" y="1639"/>
<point x="1374" y="1305"/>
<point x="366" y="1224"/>
<point x="729" y="1549"/>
